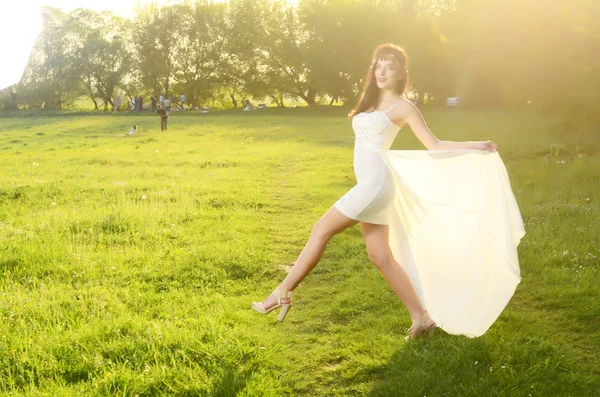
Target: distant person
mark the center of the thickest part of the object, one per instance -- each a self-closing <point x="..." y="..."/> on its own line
<point x="133" y="131"/>
<point x="248" y="105"/>
<point x="153" y="103"/>
<point x="161" y="101"/>
<point x="117" y="102"/>
<point x="182" y="99"/>
<point x="134" y="103"/>
<point x="164" y="117"/>
<point x="167" y="104"/>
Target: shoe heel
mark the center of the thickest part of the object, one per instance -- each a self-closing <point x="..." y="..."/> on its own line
<point x="283" y="312"/>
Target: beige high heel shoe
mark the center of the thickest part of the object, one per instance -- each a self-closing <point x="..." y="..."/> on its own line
<point x="420" y="326"/>
<point x="284" y="301"/>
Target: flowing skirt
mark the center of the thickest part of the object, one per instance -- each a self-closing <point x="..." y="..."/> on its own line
<point x="454" y="228"/>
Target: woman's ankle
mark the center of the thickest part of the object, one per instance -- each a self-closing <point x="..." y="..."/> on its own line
<point x="419" y="316"/>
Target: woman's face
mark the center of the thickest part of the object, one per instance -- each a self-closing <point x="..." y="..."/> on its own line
<point x="388" y="73"/>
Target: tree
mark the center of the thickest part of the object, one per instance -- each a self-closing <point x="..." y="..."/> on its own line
<point x="199" y="49"/>
<point x="155" y="36"/>
<point x="50" y="79"/>
<point x="101" y="58"/>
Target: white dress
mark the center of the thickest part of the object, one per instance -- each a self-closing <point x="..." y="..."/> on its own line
<point x="454" y="223"/>
<point x="370" y="199"/>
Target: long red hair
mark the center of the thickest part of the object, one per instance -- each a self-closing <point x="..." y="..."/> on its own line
<point x="370" y="95"/>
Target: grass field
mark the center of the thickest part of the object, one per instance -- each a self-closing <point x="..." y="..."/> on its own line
<point x="128" y="264"/>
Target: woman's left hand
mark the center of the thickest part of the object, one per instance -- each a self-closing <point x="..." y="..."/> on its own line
<point x="489" y="146"/>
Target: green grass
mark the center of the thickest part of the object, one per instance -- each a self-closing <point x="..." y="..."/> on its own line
<point x="128" y="264"/>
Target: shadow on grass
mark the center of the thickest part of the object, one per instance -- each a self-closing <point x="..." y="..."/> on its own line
<point x="441" y="365"/>
<point x="232" y="381"/>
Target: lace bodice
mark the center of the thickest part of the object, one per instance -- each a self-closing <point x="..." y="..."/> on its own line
<point x="374" y="130"/>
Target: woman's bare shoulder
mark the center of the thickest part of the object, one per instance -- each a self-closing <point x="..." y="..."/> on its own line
<point x="400" y="114"/>
<point x="405" y="104"/>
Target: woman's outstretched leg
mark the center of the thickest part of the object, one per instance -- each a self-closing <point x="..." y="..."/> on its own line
<point x="378" y="248"/>
<point x="324" y="229"/>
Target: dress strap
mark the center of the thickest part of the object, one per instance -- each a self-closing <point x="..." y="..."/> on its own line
<point x="393" y="106"/>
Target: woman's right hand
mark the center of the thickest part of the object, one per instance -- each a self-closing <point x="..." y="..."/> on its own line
<point x="488" y="145"/>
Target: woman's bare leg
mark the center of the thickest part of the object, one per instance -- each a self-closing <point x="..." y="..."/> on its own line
<point x="324" y="229"/>
<point x="378" y="249"/>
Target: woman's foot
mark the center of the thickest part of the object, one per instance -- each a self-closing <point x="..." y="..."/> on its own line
<point x="277" y="299"/>
<point x="421" y="325"/>
<point x="269" y="302"/>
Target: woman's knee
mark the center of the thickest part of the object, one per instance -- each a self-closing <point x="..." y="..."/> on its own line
<point x="320" y="232"/>
<point x="379" y="258"/>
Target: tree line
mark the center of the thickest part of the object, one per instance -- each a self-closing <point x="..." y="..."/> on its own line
<point x="488" y="52"/>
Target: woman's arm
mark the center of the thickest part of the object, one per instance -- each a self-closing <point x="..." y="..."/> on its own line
<point x="414" y="118"/>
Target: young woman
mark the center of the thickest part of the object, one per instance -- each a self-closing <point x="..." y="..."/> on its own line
<point x="376" y="120"/>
